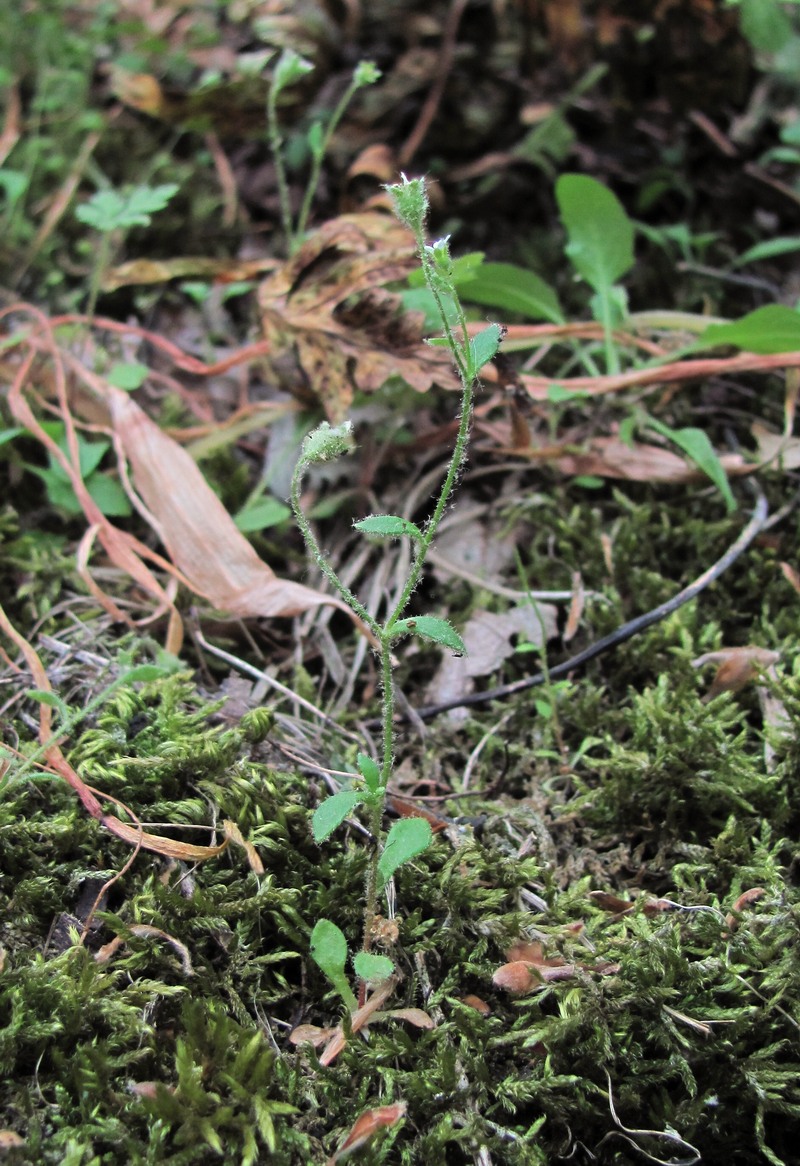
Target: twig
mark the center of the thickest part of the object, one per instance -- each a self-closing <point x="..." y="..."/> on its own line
<point x="625" y="632"/>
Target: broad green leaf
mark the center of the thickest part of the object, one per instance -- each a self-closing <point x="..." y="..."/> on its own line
<point x="333" y="811"/>
<point x="766" y="25"/>
<point x="370" y="771"/>
<point x="430" y="627"/>
<point x="109" y="496"/>
<point x="7" y="435"/>
<point x="329" y="948"/>
<point x="515" y="289"/>
<point x="774" y="328"/>
<point x="263" y="513"/>
<point x="388" y="525"/>
<point x="372" y="967"/>
<point x="484" y="346"/>
<point x="768" y="249"/>
<point x="696" y="445"/>
<point x="329" y="952"/>
<point x="600" y="233"/>
<point x="316" y="138"/>
<point x="407" y="838"/>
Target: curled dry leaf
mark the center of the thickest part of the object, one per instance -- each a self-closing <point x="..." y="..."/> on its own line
<point x="311" y="1034"/>
<point x="212" y="555"/>
<point x="737" y="667"/>
<point x="367" y="1126"/>
<point x="145" y="931"/>
<point x="234" y="834"/>
<point x="327" y="308"/>
<point x="744" y="900"/>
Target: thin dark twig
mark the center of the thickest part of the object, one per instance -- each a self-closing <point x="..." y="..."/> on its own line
<point x="625" y="632"/>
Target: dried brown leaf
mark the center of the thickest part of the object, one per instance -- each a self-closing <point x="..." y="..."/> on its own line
<point x="367" y="1126"/>
<point x="328" y="307"/>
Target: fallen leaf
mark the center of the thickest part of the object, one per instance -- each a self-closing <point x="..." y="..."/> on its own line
<point x="476" y="1003"/>
<point x="737" y="667"/>
<point x="202" y="539"/>
<point x="744" y="900"/>
<point x="328" y="308"/>
<point x="367" y="1126"/>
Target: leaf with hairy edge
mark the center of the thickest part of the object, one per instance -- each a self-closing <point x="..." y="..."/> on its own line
<point x="370" y="771"/>
<point x="389" y="526"/>
<point x="484" y="346"/>
<point x="430" y="627"/>
<point x="406" y="839"/>
<point x="372" y="967"/>
<point x="333" y="811"/>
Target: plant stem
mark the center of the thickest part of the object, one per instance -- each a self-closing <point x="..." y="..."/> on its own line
<point x="276" y="146"/>
<point x="311" y="542"/>
<point x="317" y="159"/>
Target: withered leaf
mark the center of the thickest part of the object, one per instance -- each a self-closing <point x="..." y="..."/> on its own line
<point x="328" y="309"/>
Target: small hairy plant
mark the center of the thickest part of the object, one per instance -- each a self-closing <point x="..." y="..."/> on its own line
<point x="407" y="837"/>
<point x="290" y="68"/>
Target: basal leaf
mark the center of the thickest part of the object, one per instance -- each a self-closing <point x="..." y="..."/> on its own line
<point x="774" y="328"/>
<point x="372" y="967"/>
<point x="430" y="627"/>
<point x="329" y="948"/>
<point x="515" y="289"/>
<point x="407" y="838"/>
<point x="600" y="233"/>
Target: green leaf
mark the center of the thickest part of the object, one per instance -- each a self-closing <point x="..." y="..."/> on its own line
<point x="514" y="289"/>
<point x="111" y="210"/>
<point x="372" y="967"/>
<point x="600" y="233"/>
<point x="766" y="25"/>
<point x="430" y="627"/>
<point x="329" y="952"/>
<point x="109" y="496"/>
<point x="366" y="73"/>
<point x="370" y="771"/>
<point x="52" y="699"/>
<point x="329" y="948"/>
<point x="333" y="811"/>
<point x="388" y="525"/>
<point x="696" y="445"/>
<point x="768" y="249"/>
<point x="484" y="346"/>
<point x="261" y="514"/>
<point x="128" y="375"/>
<point x="407" y="838"/>
<point x="774" y="328"/>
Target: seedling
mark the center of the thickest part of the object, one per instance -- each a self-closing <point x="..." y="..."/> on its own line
<point x="290" y="68"/>
<point x="408" y="837"/>
<point x="110" y="212"/>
